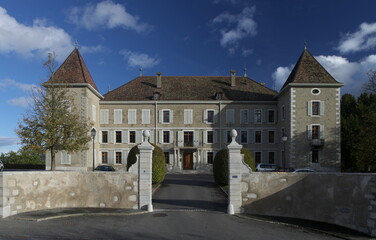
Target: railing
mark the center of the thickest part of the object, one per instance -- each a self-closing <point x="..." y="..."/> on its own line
<point x="317" y="143"/>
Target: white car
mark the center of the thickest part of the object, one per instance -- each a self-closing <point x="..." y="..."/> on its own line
<point x="266" y="167"/>
<point x="1" y="166"/>
<point x="304" y="170"/>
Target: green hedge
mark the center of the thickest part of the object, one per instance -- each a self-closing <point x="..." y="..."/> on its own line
<point x="24" y="166"/>
<point x="220" y="165"/>
<point x="158" y="162"/>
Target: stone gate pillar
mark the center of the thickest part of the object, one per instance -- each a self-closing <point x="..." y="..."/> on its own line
<point x="144" y="173"/>
<point x="235" y="174"/>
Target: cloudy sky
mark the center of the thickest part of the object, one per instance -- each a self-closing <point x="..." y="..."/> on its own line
<point x="185" y="37"/>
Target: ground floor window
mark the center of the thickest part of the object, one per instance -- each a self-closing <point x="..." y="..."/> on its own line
<point x="210" y="157"/>
<point x="167" y="157"/>
<point x="118" y="136"/>
<point x="118" y="157"/>
<point x="258" y="157"/>
<point x="315" y="156"/>
<point x="104" y="157"/>
<point x="132" y="136"/>
<point x="271" y="157"/>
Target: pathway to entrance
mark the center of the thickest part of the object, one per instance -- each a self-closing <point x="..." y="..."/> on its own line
<point x="190" y="192"/>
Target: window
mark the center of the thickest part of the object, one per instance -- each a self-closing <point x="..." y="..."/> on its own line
<point x="271" y="157"/>
<point x="104" y="157"/>
<point x="315" y="91"/>
<point x="258" y="157"/>
<point x="257" y="136"/>
<point x="145" y="116"/>
<point x="118" y="158"/>
<point x="230" y="116"/>
<point x="271" y="116"/>
<point x="166" y="136"/>
<point x="229" y="138"/>
<point x="104" y="136"/>
<point x="258" y="116"/>
<point x="244" y="136"/>
<point x="283" y="113"/>
<point x="244" y="116"/>
<point x="104" y="116"/>
<point x="118" y="136"/>
<point x="315" y="131"/>
<point x="94" y="112"/>
<point x="271" y="135"/>
<point x="118" y="116"/>
<point x="315" y="156"/>
<point x="132" y="136"/>
<point x="210" y="157"/>
<point x="210" y="116"/>
<point x="188" y="139"/>
<point x="167" y="157"/>
<point x="132" y="116"/>
<point x="165" y="116"/>
<point x="315" y="108"/>
<point x="210" y="137"/>
<point x="65" y="157"/>
<point x="188" y="116"/>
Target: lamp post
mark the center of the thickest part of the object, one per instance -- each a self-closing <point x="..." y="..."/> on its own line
<point x="93" y="133"/>
<point x="284" y="140"/>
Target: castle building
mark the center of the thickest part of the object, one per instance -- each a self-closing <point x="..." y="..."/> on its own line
<point x="190" y="117"/>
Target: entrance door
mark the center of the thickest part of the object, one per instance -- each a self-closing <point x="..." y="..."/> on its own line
<point x="188" y="160"/>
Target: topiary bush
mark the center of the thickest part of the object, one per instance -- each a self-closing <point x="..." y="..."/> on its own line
<point x="158" y="162"/>
<point x="220" y="165"/>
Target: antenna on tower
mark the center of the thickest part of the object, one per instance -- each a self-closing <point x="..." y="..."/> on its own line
<point x="245" y="70"/>
<point x="76" y="44"/>
<point x="140" y="69"/>
<point x="305" y="45"/>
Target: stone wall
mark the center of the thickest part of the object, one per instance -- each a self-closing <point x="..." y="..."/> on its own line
<point x="347" y="200"/>
<point x="30" y="191"/>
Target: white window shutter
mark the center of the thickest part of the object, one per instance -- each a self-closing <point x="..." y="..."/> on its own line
<point x="224" y="136"/>
<point x="180" y="138"/>
<point x="195" y="138"/>
<point x="204" y="136"/>
<point x="100" y="136"/>
<point x="171" y="116"/>
<point x="138" y="136"/>
<point x="151" y="138"/>
<point x="171" y="137"/>
<point x="216" y="116"/>
<point x="111" y="137"/>
<point x="309" y="110"/>
<point x="111" y="157"/>
<point x="322" y="108"/>
<point x="214" y="136"/>
<point x="205" y="116"/>
<point x="309" y="132"/>
<point x="124" y="136"/>
<point x="160" y="136"/>
<point x="124" y="157"/>
<point x="160" y="116"/>
<point x="322" y="132"/>
<point x="190" y="116"/>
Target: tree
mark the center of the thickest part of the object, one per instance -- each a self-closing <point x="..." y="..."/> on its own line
<point x="52" y="123"/>
<point x="370" y="85"/>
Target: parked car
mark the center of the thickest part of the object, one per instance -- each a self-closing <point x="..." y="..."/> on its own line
<point x="306" y="170"/>
<point x="1" y="166"/>
<point x="266" y="167"/>
<point x="105" y="168"/>
<point x="286" y="169"/>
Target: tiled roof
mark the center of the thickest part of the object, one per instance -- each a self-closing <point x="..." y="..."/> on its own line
<point x="73" y="70"/>
<point x="309" y="70"/>
<point x="186" y="88"/>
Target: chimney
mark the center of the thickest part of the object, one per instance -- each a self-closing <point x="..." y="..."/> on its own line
<point x="232" y="73"/>
<point x="159" y="79"/>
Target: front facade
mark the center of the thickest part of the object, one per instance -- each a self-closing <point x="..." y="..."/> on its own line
<point x="190" y="118"/>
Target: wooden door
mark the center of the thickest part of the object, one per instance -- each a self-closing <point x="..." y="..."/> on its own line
<point x="188" y="160"/>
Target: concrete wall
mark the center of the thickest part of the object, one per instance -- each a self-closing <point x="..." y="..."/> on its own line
<point x="344" y="199"/>
<point x="29" y="191"/>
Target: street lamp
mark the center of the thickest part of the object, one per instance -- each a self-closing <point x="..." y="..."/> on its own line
<point x="284" y="140"/>
<point x="93" y="133"/>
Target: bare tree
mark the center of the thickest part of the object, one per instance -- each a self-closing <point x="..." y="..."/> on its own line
<point x="52" y="123"/>
<point x="370" y="85"/>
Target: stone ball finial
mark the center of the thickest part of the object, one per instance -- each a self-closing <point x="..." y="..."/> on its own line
<point x="146" y="134"/>
<point x="233" y="133"/>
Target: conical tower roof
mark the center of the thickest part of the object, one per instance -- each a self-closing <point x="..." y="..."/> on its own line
<point x="73" y="70"/>
<point x="309" y="70"/>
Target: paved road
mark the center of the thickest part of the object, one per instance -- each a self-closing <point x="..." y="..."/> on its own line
<point x="191" y="211"/>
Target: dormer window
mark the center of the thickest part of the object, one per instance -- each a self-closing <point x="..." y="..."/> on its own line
<point x="156" y="96"/>
<point x="219" y="95"/>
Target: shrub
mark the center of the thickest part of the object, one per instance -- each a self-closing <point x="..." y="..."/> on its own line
<point x="158" y="162"/>
<point x="220" y="165"/>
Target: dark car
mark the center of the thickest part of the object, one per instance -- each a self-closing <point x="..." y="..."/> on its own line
<point x="106" y="168"/>
<point x="286" y="169"/>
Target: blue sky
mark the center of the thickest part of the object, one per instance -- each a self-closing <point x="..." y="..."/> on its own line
<point x="177" y="38"/>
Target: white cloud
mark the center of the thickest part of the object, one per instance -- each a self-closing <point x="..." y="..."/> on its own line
<point x="30" y="40"/>
<point x="6" y="84"/>
<point x="235" y="27"/>
<point x="247" y="52"/>
<point x="363" y="39"/>
<point x="351" y="74"/>
<point x="92" y="49"/>
<point x="105" y="14"/>
<point x="8" y="141"/>
<point x="20" y="102"/>
<point x="136" y="59"/>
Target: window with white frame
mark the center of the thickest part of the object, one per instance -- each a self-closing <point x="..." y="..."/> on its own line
<point x="209" y="136"/>
<point x="271" y="136"/>
<point x="145" y="116"/>
<point x="132" y="116"/>
<point x="118" y="136"/>
<point x="104" y="116"/>
<point x="315" y="156"/>
<point x="94" y="112"/>
<point x="132" y="137"/>
<point x="257" y="157"/>
<point x="167" y="157"/>
<point x="230" y="116"/>
<point x="316" y="108"/>
<point x="104" y="157"/>
<point x="104" y="136"/>
<point x="118" y="116"/>
<point x="258" y="116"/>
<point x="118" y="157"/>
<point x="166" y="137"/>
<point x="65" y="157"/>
<point x="210" y="157"/>
<point x="258" y="134"/>
<point x="188" y="116"/>
<point x="165" y="116"/>
<point x="271" y="116"/>
<point x="271" y="157"/>
<point x="244" y="116"/>
<point x="243" y="136"/>
<point x="209" y="116"/>
<point x="315" y="131"/>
